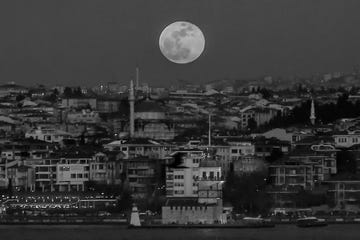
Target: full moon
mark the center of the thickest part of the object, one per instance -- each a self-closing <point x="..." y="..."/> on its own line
<point x="182" y="42"/>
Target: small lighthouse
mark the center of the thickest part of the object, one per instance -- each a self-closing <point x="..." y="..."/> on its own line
<point x="135" y="219"/>
<point x="312" y="112"/>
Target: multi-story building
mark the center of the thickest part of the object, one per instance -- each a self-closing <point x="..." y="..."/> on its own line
<point x="65" y="173"/>
<point x="144" y="175"/>
<point x="347" y="139"/>
<point x="240" y="148"/>
<point x="248" y="164"/>
<point x="260" y="115"/>
<point x="79" y="102"/>
<point x="209" y="182"/>
<point x="344" y="192"/>
<point x="48" y="135"/>
<point x="108" y="105"/>
<point x="21" y="177"/>
<point x="84" y="116"/>
<point x="306" y="167"/>
<point x="193" y="189"/>
<point x="14" y="154"/>
<point x="98" y="168"/>
<point x="222" y="152"/>
<point x="141" y="147"/>
<point x="265" y="147"/>
<point x="181" y="177"/>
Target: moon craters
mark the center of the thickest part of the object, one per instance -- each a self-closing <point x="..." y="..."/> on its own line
<point x="181" y="42"/>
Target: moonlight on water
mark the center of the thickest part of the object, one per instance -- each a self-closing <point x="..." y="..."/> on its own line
<point x="182" y="42"/>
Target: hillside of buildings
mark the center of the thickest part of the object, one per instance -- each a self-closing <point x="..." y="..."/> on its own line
<point x="203" y="149"/>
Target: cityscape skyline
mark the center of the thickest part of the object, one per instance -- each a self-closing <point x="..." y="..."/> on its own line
<point x="53" y="43"/>
<point x="152" y="119"/>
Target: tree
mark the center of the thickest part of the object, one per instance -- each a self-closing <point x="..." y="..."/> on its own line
<point x="125" y="201"/>
<point x="53" y="97"/>
<point x="20" y="97"/>
<point x="265" y="93"/>
<point x="247" y="193"/>
<point x="77" y="92"/>
<point x="346" y="162"/>
<point x="275" y="155"/>
<point x="252" y="125"/>
<point x="68" y="92"/>
<point x="10" y="188"/>
<point x="306" y="199"/>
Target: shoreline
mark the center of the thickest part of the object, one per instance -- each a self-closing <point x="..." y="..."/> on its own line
<point x="125" y="223"/>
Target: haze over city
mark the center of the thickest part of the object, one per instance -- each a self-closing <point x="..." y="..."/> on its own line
<point x="85" y="42"/>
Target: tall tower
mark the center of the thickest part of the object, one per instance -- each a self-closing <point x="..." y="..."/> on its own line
<point x="209" y="132"/>
<point x="132" y="103"/>
<point x="312" y="112"/>
<point x="137" y="78"/>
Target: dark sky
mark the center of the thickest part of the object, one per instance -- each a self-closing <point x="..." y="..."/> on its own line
<point x="85" y="42"/>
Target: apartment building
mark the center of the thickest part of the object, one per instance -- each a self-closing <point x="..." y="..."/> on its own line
<point x="347" y="139"/>
<point x="141" y="147"/>
<point x="305" y="167"/>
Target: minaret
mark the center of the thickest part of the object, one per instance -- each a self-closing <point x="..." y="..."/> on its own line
<point x="312" y="113"/>
<point x="132" y="103"/>
<point x="209" y="133"/>
<point x="137" y="78"/>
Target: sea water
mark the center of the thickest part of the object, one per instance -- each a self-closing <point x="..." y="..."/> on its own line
<point x="98" y="232"/>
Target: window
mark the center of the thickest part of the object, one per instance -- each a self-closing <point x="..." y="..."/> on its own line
<point x="61" y="169"/>
<point x="234" y="151"/>
<point x="282" y="180"/>
<point x="79" y="175"/>
<point x="73" y="175"/>
<point x="42" y="176"/>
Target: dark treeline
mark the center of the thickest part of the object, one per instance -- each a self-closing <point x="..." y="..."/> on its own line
<point x="69" y="92"/>
<point x="325" y="113"/>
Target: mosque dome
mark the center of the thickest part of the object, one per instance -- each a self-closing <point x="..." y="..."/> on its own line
<point x="149" y="109"/>
<point x="148" y="106"/>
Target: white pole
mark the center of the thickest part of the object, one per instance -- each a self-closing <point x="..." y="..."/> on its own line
<point x="209" y="137"/>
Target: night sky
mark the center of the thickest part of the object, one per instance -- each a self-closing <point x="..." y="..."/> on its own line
<point x="85" y="42"/>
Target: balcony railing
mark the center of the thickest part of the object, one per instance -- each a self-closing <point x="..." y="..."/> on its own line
<point x="209" y="178"/>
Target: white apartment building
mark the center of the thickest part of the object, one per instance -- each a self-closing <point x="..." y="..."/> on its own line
<point x="347" y="140"/>
<point x="209" y="182"/>
<point x="222" y="153"/>
<point x="181" y="179"/>
<point x="194" y="190"/>
<point x="238" y="149"/>
<point x="48" y="135"/>
<point x="83" y="116"/>
<point x="140" y="147"/>
<point x="61" y="174"/>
